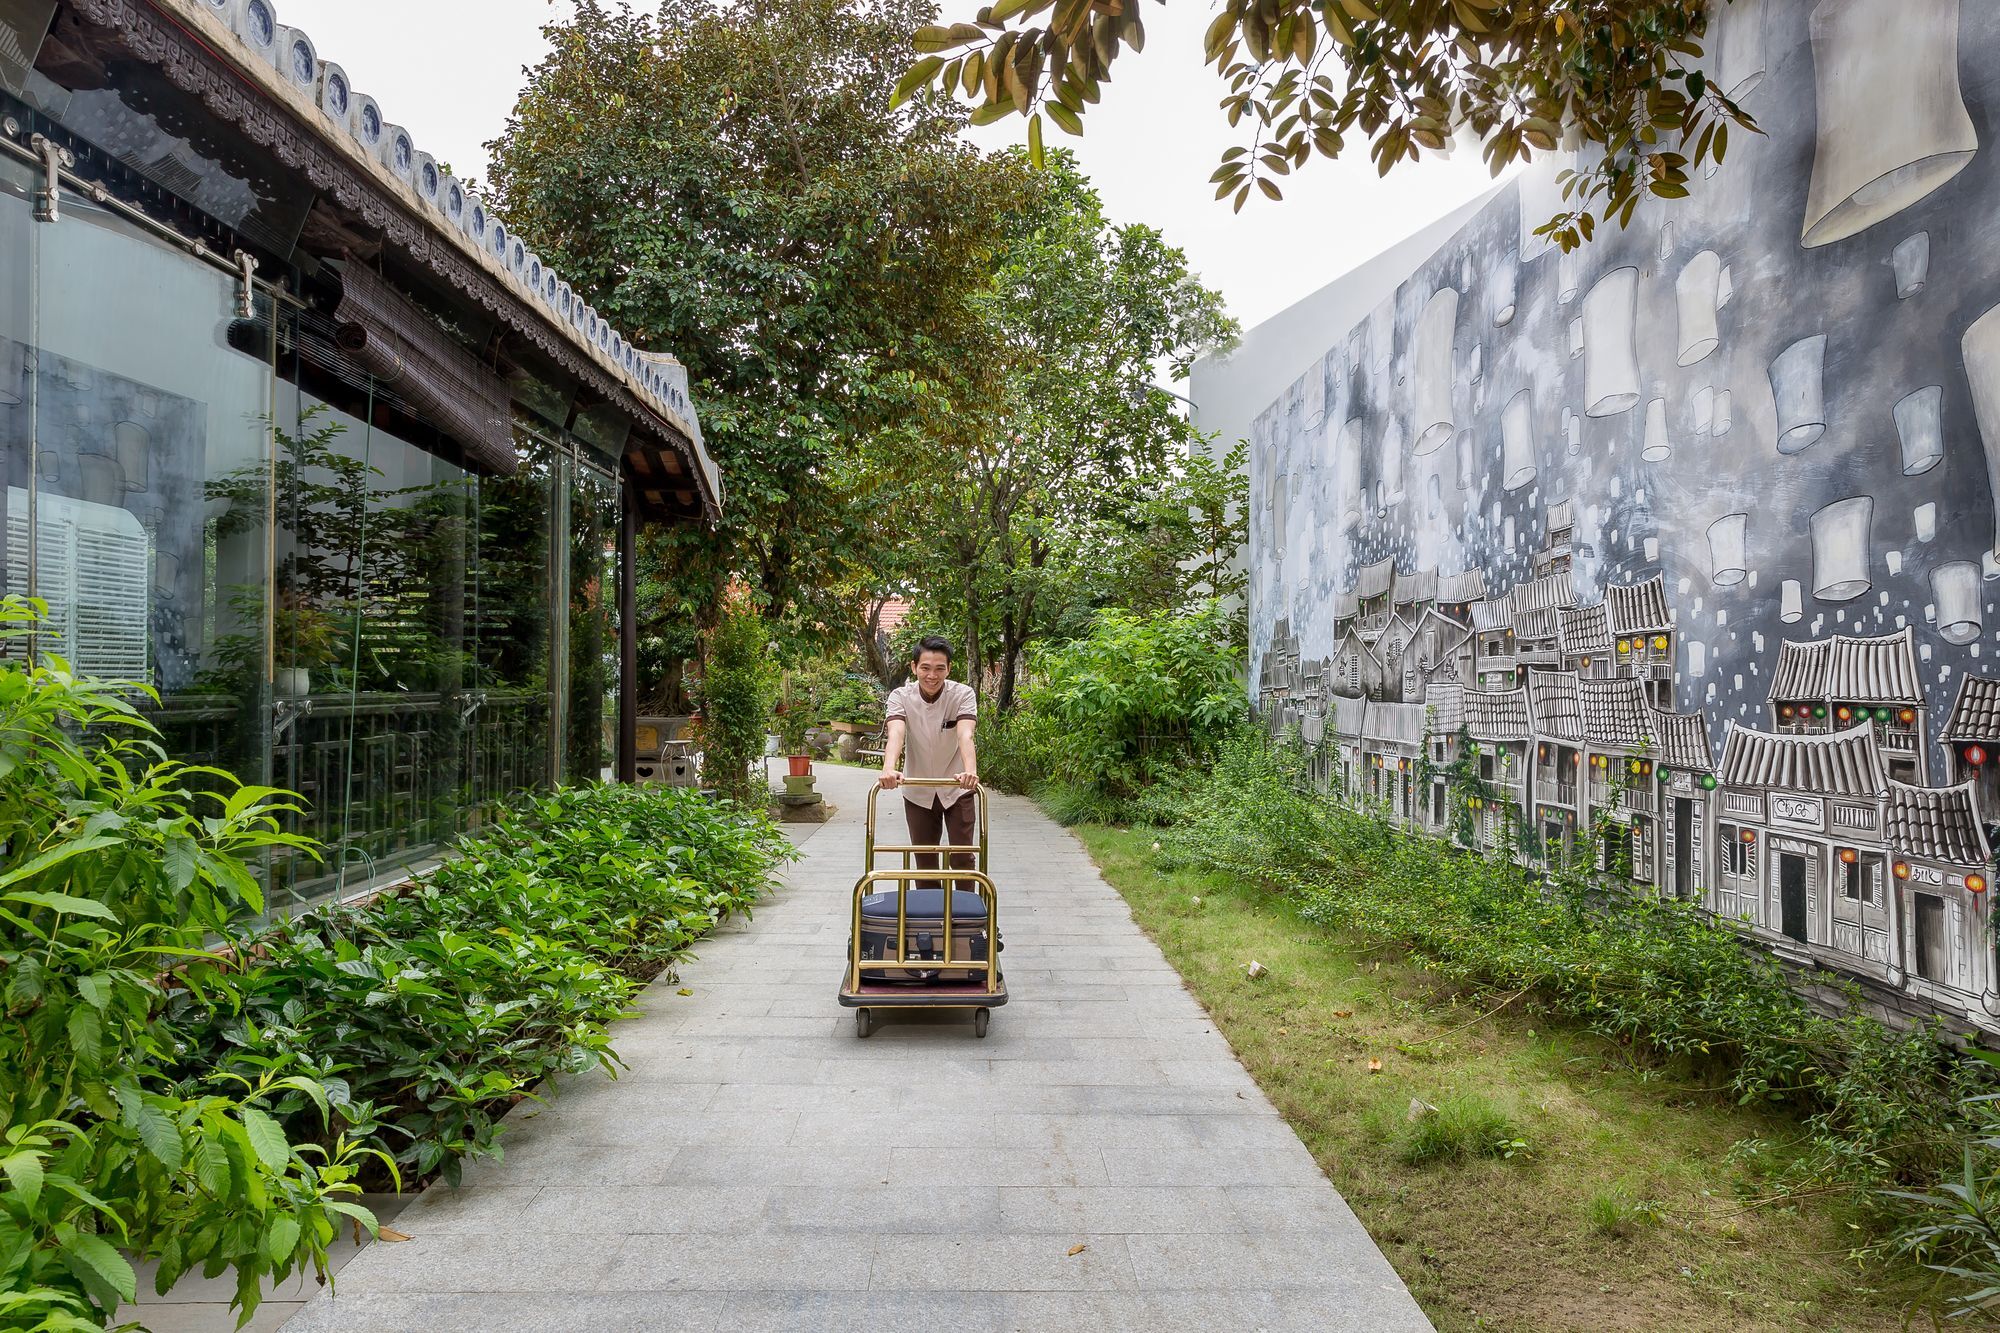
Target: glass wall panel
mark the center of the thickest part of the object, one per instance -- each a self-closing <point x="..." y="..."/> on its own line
<point x="515" y="569"/>
<point x="592" y="712"/>
<point x="375" y="643"/>
<point x="17" y="386"/>
<point x="149" y="405"/>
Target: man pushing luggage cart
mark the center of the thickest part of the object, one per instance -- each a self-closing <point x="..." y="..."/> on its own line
<point x="946" y="923"/>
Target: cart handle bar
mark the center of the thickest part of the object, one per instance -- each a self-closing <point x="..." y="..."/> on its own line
<point x="868" y="847"/>
<point x="902" y="878"/>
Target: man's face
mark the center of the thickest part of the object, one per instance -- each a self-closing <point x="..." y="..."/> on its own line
<point x="933" y="669"/>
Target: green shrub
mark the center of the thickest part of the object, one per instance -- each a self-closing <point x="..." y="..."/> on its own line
<point x="736" y="696"/>
<point x="1664" y="976"/>
<point x="1135" y="699"/>
<point x="429" y="1012"/>
<point x="117" y="864"/>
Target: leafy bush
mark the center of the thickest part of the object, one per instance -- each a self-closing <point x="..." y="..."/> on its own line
<point x="1665" y="976"/>
<point x="117" y="864"/>
<point x="1136" y="698"/>
<point x="736" y="697"/>
<point x="429" y="1012"/>
<point x="854" y="700"/>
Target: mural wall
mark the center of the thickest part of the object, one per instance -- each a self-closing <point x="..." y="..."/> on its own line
<point x="1710" y="504"/>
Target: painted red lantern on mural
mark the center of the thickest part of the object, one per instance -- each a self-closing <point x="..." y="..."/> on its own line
<point x="1975" y="883"/>
<point x="1975" y="755"/>
<point x="1902" y="870"/>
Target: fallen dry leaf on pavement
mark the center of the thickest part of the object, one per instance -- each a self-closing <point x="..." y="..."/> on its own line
<point x="390" y="1233"/>
<point x="1075" y="1250"/>
<point x="685" y="990"/>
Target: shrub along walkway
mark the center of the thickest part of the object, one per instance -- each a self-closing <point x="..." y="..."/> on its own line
<point x="1099" y="1161"/>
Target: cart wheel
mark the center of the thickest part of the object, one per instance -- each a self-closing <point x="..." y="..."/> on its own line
<point x="979" y="1019"/>
<point x="864" y="1023"/>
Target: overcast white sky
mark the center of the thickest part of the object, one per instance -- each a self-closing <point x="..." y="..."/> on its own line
<point x="448" y="70"/>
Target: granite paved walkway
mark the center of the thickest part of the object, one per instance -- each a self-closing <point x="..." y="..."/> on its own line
<point x="758" y="1167"/>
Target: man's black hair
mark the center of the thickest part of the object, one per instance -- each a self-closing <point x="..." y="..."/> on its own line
<point x="931" y="643"/>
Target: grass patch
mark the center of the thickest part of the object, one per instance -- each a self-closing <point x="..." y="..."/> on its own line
<point x="1623" y="1197"/>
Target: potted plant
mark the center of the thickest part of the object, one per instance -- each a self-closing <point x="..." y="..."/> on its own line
<point x="794" y="721"/>
<point x="305" y="638"/>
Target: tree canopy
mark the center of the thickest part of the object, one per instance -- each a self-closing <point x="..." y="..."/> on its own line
<point x="1082" y="491"/>
<point x="731" y="182"/>
<point x="1621" y="78"/>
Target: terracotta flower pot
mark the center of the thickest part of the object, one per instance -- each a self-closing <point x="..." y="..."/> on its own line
<point x="802" y="764"/>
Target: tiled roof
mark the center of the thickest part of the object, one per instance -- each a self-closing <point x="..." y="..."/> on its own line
<point x="1975" y="713"/>
<point x="287" y="66"/>
<point x="1375" y="580"/>
<point x="1846" y="667"/>
<point x="1497" y="715"/>
<point x="1550" y="590"/>
<point x="1846" y="763"/>
<point x="1395" y="724"/>
<point x="1552" y="702"/>
<point x="1683" y="740"/>
<point x="1446" y="700"/>
<point x="1421" y="586"/>
<point x="1469" y="586"/>
<point x="1638" y="608"/>
<point x="1348" y="717"/>
<point x="1584" y="632"/>
<point x="1614" y="713"/>
<point x="1346" y="606"/>
<point x="1937" y="823"/>
<point x="1493" y="615"/>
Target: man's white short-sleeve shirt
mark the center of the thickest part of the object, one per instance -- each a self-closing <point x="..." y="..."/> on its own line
<point x="930" y="736"/>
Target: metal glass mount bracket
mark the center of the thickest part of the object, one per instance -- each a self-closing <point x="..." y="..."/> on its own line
<point x="284" y="712"/>
<point x="470" y="704"/>
<point x="246" y="292"/>
<point x="53" y="157"/>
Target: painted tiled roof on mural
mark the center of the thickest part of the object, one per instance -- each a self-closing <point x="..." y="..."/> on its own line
<point x="1848" y="667"/>
<point x="1496" y="715"/>
<point x="1638" y="608"/>
<point x="1846" y="763"/>
<point x="1583" y="631"/>
<point x="1349" y="714"/>
<point x="1375" y="580"/>
<point x="1975" y="713"/>
<point x="1614" y="713"/>
<point x="1552" y="703"/>
<point x="1562" y="516"/>
<point x="1400" y="725"/>
<point x="1469" y="586"/>
<point x="1536" y="624"/>
<point x="1548" y="591"/>
<point x="1346" y="606"/>
<point x="1493" y="615"/>
<point x="1421" y="586"/>
<point x="1446" y="700"/>
<point x="1937" y="823"/>
<point x="1682" y="739"/>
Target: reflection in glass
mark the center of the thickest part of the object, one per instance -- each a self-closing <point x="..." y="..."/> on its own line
<point x="129" y="420"/>
<point x="593" y="631"/>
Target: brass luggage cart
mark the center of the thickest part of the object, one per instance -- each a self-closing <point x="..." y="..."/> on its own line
<point x="923" y="948"/>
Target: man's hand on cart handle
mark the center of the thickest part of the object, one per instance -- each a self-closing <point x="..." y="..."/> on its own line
<point x="890" y="779"/>
<point x="969" y="781"/>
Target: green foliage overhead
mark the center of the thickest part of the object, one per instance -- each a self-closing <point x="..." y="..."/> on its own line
<point x="1307" y="78"/>
<point x="1082" y="492"/>
<point x="730" y="183"/>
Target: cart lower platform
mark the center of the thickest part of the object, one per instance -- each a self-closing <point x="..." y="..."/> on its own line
<point x="870" y="996"/>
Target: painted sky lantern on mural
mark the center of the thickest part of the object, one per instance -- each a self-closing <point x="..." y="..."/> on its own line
<point x="1778" y="404"/>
